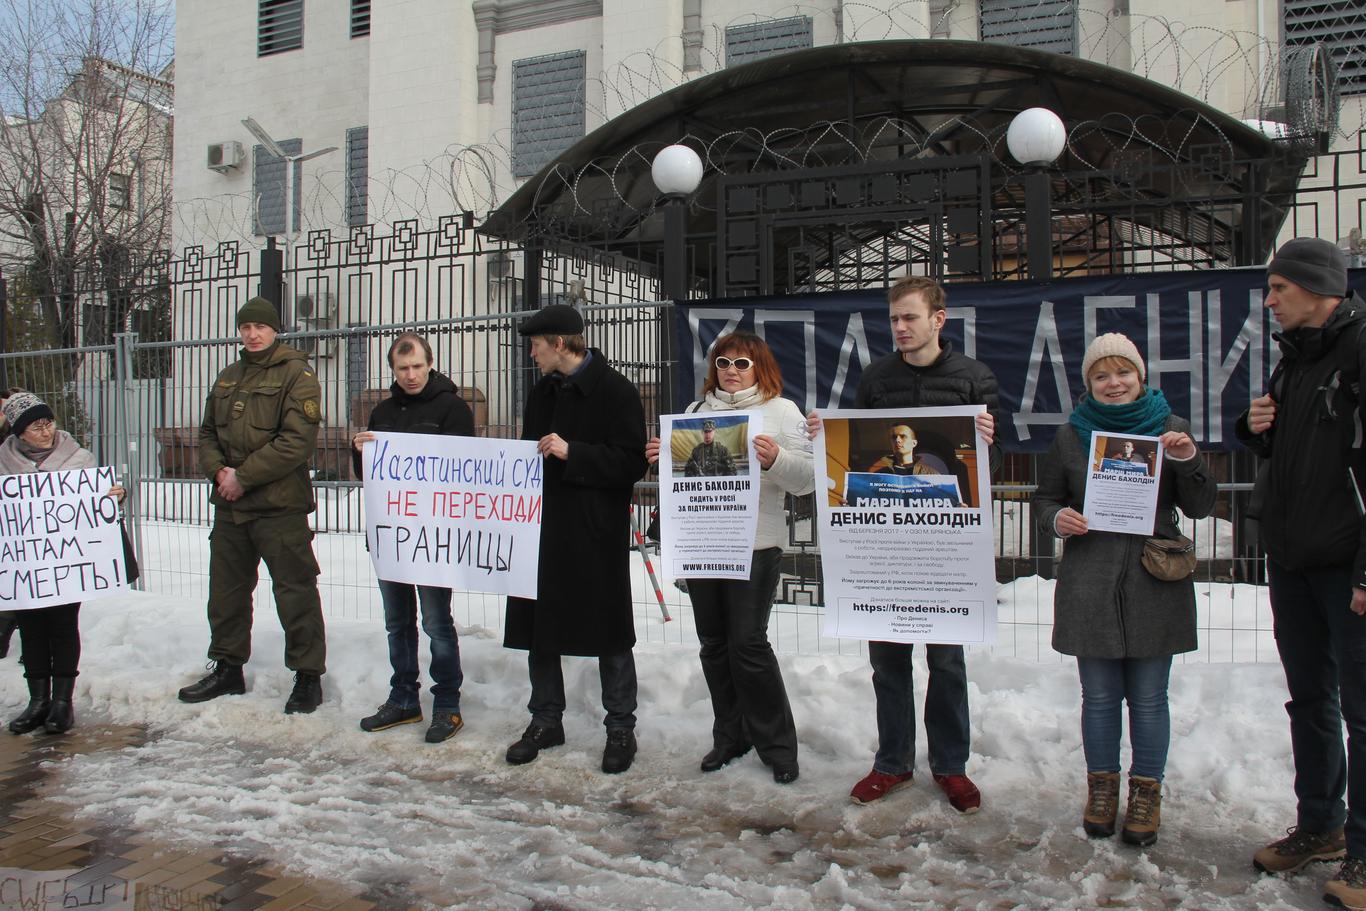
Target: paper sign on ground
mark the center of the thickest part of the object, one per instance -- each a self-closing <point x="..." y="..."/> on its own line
<point x="454" y="512"/>
<point x="905" y="526"/>
<point x="1121" y="483"/>
<point x="60" y="539"/>
<point x="708" y="494"/>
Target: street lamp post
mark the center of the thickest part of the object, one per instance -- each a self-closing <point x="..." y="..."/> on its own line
<point x="677" y="172"/>
<point x="290" y="161"/>
<point x="1035" y="139"/>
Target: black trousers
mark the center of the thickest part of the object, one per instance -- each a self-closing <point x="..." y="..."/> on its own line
<point x="1323" y="650"/>
<point x="51" y="640"/>
<point x="619" y="687"/>
<point x="747" y="693"/>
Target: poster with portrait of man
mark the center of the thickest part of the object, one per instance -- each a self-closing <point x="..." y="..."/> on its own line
<point x="925" y="458"/>
<point x="1121" y="487"/>
<point x="905" y="526"/>
<point x="708" y="494"/>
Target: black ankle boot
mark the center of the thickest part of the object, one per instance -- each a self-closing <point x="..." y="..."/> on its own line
<point x="222" y="680"/>
<point x="60" y="716"/>
<point x="307" y="694"/>
<point x="39" y="701"/>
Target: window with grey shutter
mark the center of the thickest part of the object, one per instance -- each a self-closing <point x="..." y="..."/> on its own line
<point x="268" y="187"/>
<point x="357" y="174"/>
<point x="1341" y="26"/>
<point x="279" y="26"/>
<point x="547" y="108"/>
<point x="120" y="194"/>
<point x="745" y="43"/>
<point x="1045" y="25"/>
<point x="360" y="18"/>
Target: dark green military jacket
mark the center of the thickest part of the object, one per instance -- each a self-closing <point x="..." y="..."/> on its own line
<point x="261" y="417"/>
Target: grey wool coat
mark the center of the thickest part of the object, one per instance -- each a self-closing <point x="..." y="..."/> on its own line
<point x="1106" y="605"/>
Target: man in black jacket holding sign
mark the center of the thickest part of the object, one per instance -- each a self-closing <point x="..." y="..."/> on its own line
<point x="1307" y="429"/>
<point x="924" y="371"/>
<point x="422" y="400"/>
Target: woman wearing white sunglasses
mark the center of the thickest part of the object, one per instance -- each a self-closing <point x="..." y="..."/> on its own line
<point x="747" y="693"/>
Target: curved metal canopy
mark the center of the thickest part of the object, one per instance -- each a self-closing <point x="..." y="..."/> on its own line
<point x="882" y="101"/>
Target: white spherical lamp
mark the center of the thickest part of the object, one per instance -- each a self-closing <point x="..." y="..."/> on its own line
<point x="676" y="170"/>
<point x="1036" y="137"/>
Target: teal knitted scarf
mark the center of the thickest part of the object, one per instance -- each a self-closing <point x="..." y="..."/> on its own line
<point x="1145" y="416"/>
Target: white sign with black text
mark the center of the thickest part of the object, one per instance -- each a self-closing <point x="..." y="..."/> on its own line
<point x="708" y="494"/>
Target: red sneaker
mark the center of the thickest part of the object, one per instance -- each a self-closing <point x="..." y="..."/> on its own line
<point x="877" y="785"/>
<point x="962" y="793"/>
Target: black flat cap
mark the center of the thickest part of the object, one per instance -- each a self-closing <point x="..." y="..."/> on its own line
<point x="557" y="319"/>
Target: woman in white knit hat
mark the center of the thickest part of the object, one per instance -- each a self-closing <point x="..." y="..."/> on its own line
<point x="1121" y="622"/>
<point x="50" y="637"/>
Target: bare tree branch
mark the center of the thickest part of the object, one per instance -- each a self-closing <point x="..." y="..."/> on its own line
<point x="85" y="153"/>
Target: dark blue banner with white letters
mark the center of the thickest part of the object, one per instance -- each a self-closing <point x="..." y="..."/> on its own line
<point x="1205" y="337"/>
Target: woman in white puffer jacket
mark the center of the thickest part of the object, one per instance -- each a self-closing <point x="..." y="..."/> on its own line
<point x="747" y="693"/>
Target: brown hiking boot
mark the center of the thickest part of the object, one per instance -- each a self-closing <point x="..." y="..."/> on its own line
<point x="1298" y="849"/>
<point x="1102" y="804"/>
<point x="1144" y="813"/>
<point x="1347" y="888"/>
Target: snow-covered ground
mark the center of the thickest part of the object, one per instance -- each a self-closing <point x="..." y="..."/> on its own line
<point x="470" y="831"/>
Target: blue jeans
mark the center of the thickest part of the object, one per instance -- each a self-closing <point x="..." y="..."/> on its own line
<point x="1323" y="650"/>
<point x="617" y="673"/>
<point x="400" y="622"/>
<point x="1106" y="684"/>
<point x="946" y="708"/>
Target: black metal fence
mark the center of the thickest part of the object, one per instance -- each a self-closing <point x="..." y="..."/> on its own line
<point x="135" y="392"/>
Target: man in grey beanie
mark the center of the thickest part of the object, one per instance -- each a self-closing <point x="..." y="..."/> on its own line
<point x="1307" y="430"/>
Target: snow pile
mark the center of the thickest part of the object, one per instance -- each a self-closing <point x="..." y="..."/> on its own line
<point x="455" y="825"/>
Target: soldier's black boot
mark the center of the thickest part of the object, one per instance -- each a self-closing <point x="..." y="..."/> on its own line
<point x="39" y="701"/>
<point x="61" y="716"/>
<point x="307" y="695"/>
<point x="222" y="680"/>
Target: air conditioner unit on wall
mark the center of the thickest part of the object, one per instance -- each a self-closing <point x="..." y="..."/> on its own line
<point x="225" y="156"/>
<point x="317" y="312"/>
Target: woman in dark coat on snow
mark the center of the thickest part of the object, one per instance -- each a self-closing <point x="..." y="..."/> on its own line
<point x="49" y="636"/>
<point x="1122" y="623"/>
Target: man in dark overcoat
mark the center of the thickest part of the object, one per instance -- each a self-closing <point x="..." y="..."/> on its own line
<point x="589" y="425"/>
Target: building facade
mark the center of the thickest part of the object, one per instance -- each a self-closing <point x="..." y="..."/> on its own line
<point x="438" y="107"/>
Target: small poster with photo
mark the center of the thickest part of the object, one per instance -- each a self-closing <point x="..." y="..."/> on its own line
<point x="1121" y="485"/>
<point x="708" y="494"/>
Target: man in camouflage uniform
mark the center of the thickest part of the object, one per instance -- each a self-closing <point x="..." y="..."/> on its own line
<point x="258" y="433"/>
<point x="709" y="459"/>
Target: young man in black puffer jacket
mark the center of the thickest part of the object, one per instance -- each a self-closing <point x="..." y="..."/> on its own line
<point x="421" y="400"/>
<point x="924" y="371"/>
